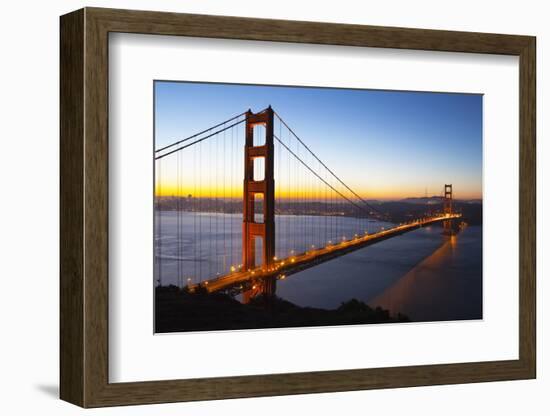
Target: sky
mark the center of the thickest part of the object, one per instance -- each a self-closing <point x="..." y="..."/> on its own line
<point x="384" y="144"/>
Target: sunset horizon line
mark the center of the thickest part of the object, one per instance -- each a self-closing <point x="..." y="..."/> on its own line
<point x="319" y="198"/>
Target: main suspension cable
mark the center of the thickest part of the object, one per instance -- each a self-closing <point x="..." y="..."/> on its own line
<point x="199" y="133"/>
<point x="325" y="166"/>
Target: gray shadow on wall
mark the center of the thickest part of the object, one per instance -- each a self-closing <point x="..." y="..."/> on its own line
<point x="51" y="390"/>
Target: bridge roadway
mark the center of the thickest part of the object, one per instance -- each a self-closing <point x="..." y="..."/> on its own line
<point x="290" y="265"/>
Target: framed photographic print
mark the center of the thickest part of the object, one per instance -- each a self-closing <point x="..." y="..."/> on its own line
<point x="256" y="207"/>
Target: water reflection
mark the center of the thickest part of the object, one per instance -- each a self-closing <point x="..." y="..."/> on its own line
<point x="423" y="274"/>
<point x="447" y="285"/>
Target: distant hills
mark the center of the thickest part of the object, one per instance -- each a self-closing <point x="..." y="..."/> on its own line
<point x="408" y="208"/>
<point x="395" y="211"/>
<point x="434" y="200"/>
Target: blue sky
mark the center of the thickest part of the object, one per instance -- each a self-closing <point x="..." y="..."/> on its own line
<point x="385" y="144"/>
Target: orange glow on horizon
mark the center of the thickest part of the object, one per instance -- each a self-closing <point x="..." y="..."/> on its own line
<point x="387" y="194"/>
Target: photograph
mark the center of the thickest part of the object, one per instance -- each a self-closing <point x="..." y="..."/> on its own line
<point x="290" y="206"/>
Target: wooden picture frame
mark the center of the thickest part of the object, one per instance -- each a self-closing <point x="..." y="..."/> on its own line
<point x="84" y="207"/>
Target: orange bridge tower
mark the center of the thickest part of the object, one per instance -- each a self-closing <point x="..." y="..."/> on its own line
<point x="259" y="191"/>
<point x="448" y="209"/>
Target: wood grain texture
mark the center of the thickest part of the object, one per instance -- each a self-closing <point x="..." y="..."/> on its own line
<point x="71" y="213"/>
<point x="84" y="205"/>
<point x="527" y="208"/>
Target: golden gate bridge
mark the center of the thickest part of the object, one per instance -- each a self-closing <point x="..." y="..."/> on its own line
<point x="296" y="212"/>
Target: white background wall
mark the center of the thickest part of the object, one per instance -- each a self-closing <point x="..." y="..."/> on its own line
<point x="29" y="85"/>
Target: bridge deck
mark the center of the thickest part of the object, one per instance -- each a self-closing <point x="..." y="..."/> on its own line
<point x="284" y="267"/>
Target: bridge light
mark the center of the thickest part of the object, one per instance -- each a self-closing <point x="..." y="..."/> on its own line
<point x="283" y="277"/>
<point x="313" y="246"/>
<point x="233" y="268"/>
<point x="253" y="286"/>
<point x="292" y="260"/>
<point x="275" y="258"/>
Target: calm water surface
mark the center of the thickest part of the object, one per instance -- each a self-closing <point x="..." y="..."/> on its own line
<point x="423" y="274"/>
